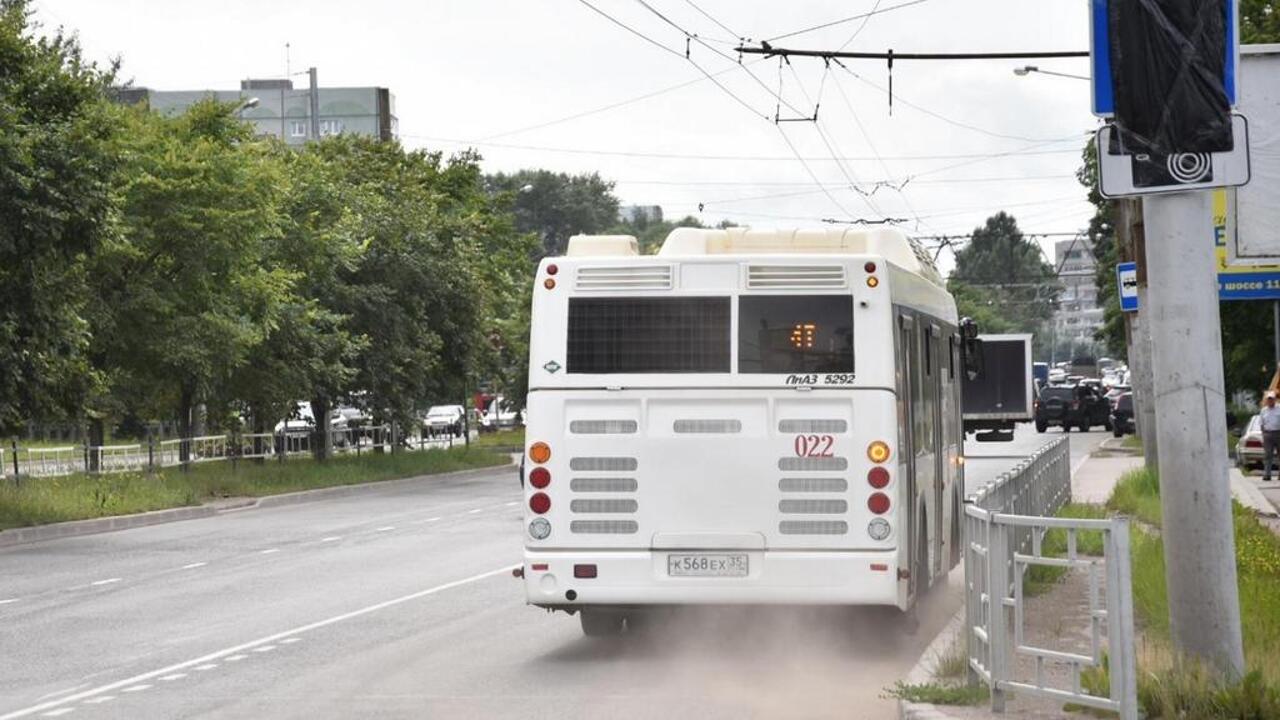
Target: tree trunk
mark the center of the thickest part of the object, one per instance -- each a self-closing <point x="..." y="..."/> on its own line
<point x="97" y="438"/>
<point x="322" y="439"/>
<point x="186" y="410"/>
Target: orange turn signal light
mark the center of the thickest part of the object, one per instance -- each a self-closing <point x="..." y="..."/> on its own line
<point x="873" y="281"/>
<point x="878" y="451"/>
<point x="549" y="283"/>
<point x="540" y="452"/>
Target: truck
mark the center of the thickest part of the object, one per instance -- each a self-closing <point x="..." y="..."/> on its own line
<point x="1003" y="392"/>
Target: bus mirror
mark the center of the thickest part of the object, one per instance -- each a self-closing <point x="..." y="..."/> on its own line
<point x="971" y="349"/>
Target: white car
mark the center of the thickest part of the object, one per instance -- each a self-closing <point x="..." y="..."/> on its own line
<point x="443" y="419"/>
<point x="500" y="414"/>
<point x="302" y="422"/>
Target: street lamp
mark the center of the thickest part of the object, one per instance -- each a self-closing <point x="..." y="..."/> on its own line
<point x="246" y="105"/>
<point x="1028" y="69"/>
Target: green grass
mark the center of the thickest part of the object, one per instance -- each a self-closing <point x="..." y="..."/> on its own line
<point x="1039" y="578"/>
<point x="502" y="438"/>
<point x="1169" y="688"/>
<point x="1133" y="442"/>
<point x="38" y="501"/>
<point x="939" y="693"/>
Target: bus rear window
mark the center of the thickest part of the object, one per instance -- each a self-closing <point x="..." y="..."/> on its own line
<point x="795" y="334"/>
<point x="648" y="335"/>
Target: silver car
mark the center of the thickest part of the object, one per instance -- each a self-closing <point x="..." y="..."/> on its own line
<point x="1249" y="450"/>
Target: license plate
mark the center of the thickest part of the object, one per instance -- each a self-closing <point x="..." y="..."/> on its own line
<point x="707" y="565"/>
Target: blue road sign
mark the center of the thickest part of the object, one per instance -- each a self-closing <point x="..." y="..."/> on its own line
<point x="1127" y="283"/>
<point x="1104" y="104"/>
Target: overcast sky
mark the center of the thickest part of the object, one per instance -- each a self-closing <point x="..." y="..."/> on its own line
<point x="489" y="72"/>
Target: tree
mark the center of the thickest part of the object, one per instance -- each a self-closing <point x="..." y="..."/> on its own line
<point x="1260" y="21"/>
<point x="1106" y="253"/>
<point x="1002" y="277"/>
<point x="556" y="206"/>
<point x="183" y="297"/>
<point x="55" y="207"/>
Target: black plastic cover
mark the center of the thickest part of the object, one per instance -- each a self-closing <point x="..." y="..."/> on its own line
<point x="1168" y="61"/>
<point x="1001" y="389"/>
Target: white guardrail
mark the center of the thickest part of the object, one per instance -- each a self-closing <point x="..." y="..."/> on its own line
<point x="18" y="462"/>
<point x="1005" y="525"/>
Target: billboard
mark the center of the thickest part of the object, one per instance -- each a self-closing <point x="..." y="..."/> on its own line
<point x="1256" y="211"/>
<point x="1235" y="281"/>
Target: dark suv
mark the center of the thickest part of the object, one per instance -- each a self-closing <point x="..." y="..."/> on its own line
<point x="1122" y="415"/>
<point x="1068" y="406"/>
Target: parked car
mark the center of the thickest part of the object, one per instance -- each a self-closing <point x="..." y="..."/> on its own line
<point x="1057" y="376"/>
<point x="302" y="422"/>
<point x="1070" y="406"/>
<point x="1122" y="415"/>
<point x="443" y="419"/>
<point x="1249" y="455"/>
<point x="499" y="413"/>
<point x="1115" y="392"/>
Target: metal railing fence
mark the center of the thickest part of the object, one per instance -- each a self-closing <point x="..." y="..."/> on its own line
<point x="18" y="462"/>
<point x="1006" y="522"/>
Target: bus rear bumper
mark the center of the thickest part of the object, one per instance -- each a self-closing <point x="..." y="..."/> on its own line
<point x="630" y="577"/>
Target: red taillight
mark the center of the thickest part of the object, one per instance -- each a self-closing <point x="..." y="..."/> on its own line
<point x="1253" y="443"/>
<point x="584" y="571"/>
<point x="869" y="267"/>
<point x="552" y="269"/>
<point x="880" y="567"/>
<point x="878" y="503"/>
<point x="540" y="477"/>
<point x="540" y="503"/>
<point x="540" y="567"/>
<point x="878" y="477"/>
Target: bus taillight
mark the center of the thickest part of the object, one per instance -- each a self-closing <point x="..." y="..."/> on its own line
<point x="878" y="503"/>
<point x="541" y="477"/>
<point x="541" y="502"/>
<point x="878" y="477"/>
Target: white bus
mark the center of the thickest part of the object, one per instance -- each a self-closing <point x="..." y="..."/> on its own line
<point x="747" y="417"/>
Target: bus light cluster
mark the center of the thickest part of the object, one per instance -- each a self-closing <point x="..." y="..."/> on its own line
<point x="878" y="478"/>
<point x="540" y="478"/>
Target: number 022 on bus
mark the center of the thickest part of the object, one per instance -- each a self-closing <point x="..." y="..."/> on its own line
<point x="745" y="418"/>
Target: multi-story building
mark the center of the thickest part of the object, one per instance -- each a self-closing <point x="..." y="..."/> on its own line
<point x="1079" y="315"/>
<point x="283" y="111"/>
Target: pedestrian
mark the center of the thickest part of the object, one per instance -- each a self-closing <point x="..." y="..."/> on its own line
<point x="1270" y="421"/>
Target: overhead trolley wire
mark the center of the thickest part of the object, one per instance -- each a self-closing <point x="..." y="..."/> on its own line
<point x="841" y="21"/>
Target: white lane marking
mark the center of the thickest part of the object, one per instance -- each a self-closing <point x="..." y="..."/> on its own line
<point x="108" y="581"/>
<point x="264" y="648"/>
<point x="385" y="528"/>
<point x="60" y="711"/>
<point x="207" y="666"/>
<point x="9" y="600"/>
<point x="226" y="652"/>
<point x="473" y="512"/>
<point x="100" y="699"/>
<point x="512" y="504"/>
<point x="68" y="691"/>
<point x="137" y="688"/>
<point x="331" y="538"/>
<point x="431" y="519"/>
<point x="288" y="641"/>
<point x="235" y="658"/>
<point x="268" y="551"/>
<point x="194" y="565"/>
<point x="174" y="676"/>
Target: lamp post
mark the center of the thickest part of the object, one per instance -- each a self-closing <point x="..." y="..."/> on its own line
<point x="248" y="104"/>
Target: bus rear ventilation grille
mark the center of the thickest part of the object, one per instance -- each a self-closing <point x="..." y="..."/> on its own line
<point x="602" y="427"/>
<point x="708" y="427"/>
<point x="815" y="464"/>
<point x="624" y="277"/>
<point x="607" y="505"/>
<point x="605" y="485"/>
<point x="797" y="277"/>
<point x="604" y="527"/>
<point x="813" y="527"/>
<point x="813" y="426"/>
<point x="813" y="507"/>
<point x="603" y="464"/>
<point x="813" y="485"/>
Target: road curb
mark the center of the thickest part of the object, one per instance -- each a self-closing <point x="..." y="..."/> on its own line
<point x="95" y="526"/>
<point x="950" y="634"/>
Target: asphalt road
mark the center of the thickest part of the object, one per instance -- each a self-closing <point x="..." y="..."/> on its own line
<point x="400" y="603"/>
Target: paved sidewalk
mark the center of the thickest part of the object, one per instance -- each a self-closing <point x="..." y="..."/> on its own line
<point x="1260" y="497"/>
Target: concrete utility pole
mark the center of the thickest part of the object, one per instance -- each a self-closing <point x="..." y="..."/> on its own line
<point x="314" y="96"/>
<point x="1187" y="378"/>
<point x="1133" y="231"/>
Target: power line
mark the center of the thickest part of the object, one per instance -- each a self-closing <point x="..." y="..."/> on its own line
<point x="1028" y="151"/>
<point x="708" y="16"/>
<point x="891" y="55"/>
<point x="841" y="21"/>
<point x="888" y="181"/>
